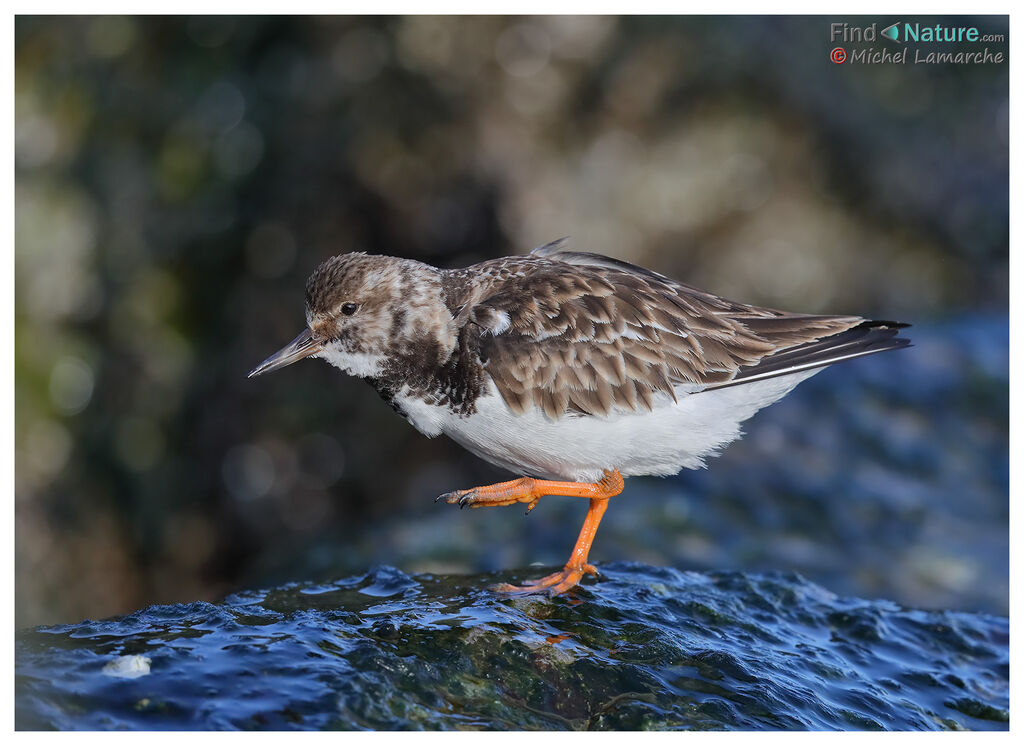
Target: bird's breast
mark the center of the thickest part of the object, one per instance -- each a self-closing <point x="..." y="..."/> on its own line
<point x="425" y="411"/>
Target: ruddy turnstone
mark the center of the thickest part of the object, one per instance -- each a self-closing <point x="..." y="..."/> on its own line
<point x="570" y="368"/>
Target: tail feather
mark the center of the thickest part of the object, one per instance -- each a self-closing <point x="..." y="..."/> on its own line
<point x="866" y="338"/>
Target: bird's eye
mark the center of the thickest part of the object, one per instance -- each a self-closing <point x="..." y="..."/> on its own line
<point x="349" y="308"/>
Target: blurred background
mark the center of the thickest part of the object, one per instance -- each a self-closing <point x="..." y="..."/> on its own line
<point x="177" y="179"/>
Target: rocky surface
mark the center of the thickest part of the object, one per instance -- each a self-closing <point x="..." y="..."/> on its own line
<point x="638" y="648"/>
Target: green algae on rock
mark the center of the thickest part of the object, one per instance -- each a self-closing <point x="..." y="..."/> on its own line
<point x="638" y="648"/>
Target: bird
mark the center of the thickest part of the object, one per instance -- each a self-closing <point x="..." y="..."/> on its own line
<point x="570" y="369"/>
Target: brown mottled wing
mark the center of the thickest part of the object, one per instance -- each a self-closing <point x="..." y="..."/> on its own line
<point x="567" y="331"/>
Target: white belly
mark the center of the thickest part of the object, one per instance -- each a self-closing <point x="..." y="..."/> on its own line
<point x="674" y="436"/>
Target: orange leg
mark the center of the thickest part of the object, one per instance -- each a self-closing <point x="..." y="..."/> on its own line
<point x="529" y="491"/>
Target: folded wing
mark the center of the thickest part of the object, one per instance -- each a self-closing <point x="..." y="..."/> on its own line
<point x="572" y="332"/>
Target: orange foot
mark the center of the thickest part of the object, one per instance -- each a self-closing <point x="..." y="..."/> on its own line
<point x="555" y="583"/>
<point x="529" y="491"/>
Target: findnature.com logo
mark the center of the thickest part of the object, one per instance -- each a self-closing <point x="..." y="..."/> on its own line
<point x="907" y="33"/>
<point x="915" y="32"/>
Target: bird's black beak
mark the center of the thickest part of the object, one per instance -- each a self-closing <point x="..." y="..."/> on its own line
<point x="302" y="346"/>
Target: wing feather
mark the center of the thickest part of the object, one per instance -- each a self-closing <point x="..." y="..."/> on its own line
<point x="588" y="334"/>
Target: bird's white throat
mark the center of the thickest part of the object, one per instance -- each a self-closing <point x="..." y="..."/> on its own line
<point x="358" y="364"/>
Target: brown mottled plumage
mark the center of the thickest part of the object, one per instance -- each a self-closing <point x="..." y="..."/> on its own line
<point x="587" y="334"/>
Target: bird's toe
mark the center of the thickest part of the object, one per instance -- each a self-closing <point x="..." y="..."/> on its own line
<point x="450" y="497"/>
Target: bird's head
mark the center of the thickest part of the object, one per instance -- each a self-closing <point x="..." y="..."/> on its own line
<point x="363" y="309"/>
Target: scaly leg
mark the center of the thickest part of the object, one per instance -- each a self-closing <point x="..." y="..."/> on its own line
<point x="572" y="573"/>
<point x="529" y="491"/>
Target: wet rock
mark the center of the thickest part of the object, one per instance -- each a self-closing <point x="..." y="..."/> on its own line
<point x="638" y="648"/>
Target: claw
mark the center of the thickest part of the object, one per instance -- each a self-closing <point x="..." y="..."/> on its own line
<point x="552" y="585"/>
<point x="467" y="499"/>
